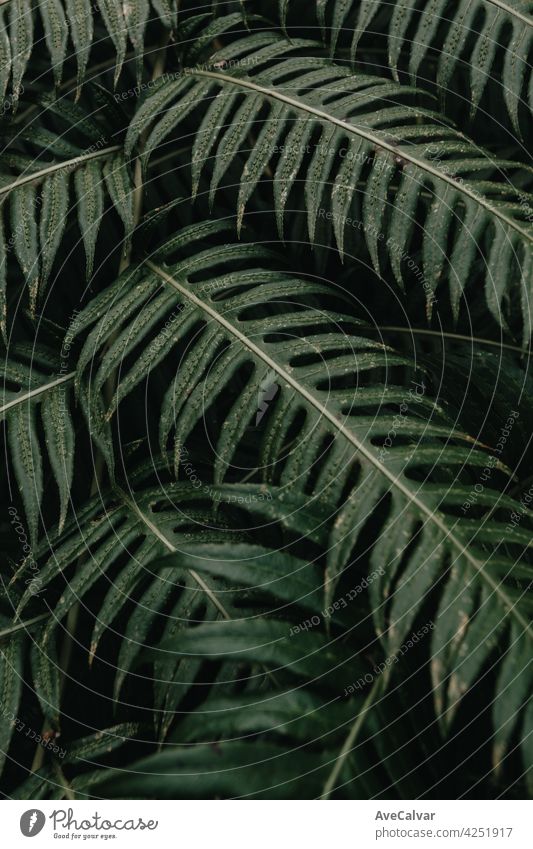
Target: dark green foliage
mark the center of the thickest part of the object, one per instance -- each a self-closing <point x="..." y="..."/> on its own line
<point x="265" y="312"/>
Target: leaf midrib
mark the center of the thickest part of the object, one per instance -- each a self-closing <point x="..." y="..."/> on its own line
<point x="134" y="507"/>
<point x="22" y="626"/>
<point x="67" y="164"/>
<point x="311" y="399"/>
<point x="512" y="12"/>
<point x="39" y="390"/>
<point x="369" y="136"/>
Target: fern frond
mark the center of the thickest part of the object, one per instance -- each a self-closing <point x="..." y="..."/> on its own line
<point x="251" y="549"/>
<point x="44" y="783"/>
<point x="334" y="434"/>
<point x="370" y="159"/>
<point x="129" y="534"/>
<point x="302" y="708"/>
<point x="87" y="174"/>
<point x="70" y="25"/>
<point x="11" y="665"/>
<point x="261" y="768"/>
<point x="33" y="384"/>
<point x="464" y="34"/>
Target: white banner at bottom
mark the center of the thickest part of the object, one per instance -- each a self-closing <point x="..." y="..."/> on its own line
<point x="268" y="824"/>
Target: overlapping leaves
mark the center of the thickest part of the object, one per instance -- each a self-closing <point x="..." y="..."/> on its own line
<point x="55" y="173"/>
<point x="300" y="459"/>
<point x="333" y="434"/>
<point x="35" y="388"/>
<point x="69" y="27"/>
<point x="373" y="157"/>
<point x="468" y="34"/>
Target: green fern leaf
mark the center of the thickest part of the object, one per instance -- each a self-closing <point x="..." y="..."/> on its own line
<point x="5" y="54"/>
<point x="21" y="39"/>
<point x="39" y="199"/>
<point x="469" y="34"/>
<point x="46" y="680"/>
<point x="54" y="199"/>
<point x="11" y="672"/>
<point x="25" y="238"/>
<point x="80" y="18"/>
<point x="61" y="18"/>
<point x="56" y="34"/>
<point x="420" y="521"/>
<point x="29" y="371"/>
<point x="90" y="195"/>
<point x="403" y="154"/>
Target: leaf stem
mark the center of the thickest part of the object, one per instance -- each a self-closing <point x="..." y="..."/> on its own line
<point x="455" y="337"/>
<point x="69" y="164"/>
<point x="34" y="393"/>
<point x="428" y="512"/>
<point x="374" y="137"/>
<point x="350" y="741"/>
<point x="130" y="503"/>
<point x="20" y="626"/>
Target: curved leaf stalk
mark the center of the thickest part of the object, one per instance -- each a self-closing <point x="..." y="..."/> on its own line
<point x="375" y="692"/>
